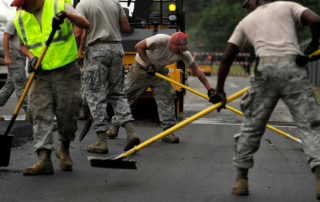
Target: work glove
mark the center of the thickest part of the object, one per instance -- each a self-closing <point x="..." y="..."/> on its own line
<point x="151" y="70"/>
<point x="211" y="94"/>
<point x="219" y="96"/>
<point x="311" y="49"/>
<point x="58" y="19"/>
<point x="32" y="65"/>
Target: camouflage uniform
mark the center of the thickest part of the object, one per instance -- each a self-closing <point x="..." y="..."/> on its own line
<point x="55" y="93"/>
<point x="274" y="80"/>
<point x="103" y="76"/>
<point x="16" y="80"/>
<point x="138" y="81"/>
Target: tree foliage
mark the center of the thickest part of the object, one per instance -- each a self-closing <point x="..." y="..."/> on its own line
<point x="212" y="22"/>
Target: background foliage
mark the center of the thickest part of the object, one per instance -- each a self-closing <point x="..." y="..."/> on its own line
<point x="211" y="22"/>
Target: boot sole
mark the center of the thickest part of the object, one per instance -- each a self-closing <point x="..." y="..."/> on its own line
<point x="111" y="136"/>
<point x="63" y="168"/>
<point x="241" y="192"/>
<point x="47" y="172"/>
<point x="168" y="141"/>
<point x="135" y="141"/>
<point x="98" y="151"/>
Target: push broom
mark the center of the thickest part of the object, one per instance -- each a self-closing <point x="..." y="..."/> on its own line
<point x="120" y="161"/>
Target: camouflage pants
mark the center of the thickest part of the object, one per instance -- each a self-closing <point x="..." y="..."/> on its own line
<point x="271" y="82"/>
<point x="16" y="80"/>
<point x="103" y="79"/>
<point x="138" y="81"/>
<point x="55" y="93"/>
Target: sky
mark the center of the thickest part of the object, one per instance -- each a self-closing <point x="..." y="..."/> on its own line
<point x="9" y="13"/>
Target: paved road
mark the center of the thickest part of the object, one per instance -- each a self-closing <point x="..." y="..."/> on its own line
<point x="199" y="168"/>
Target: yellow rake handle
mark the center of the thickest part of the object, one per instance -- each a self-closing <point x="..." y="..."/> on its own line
<point x="181" y="124"/>
<point x="228" y="107"/>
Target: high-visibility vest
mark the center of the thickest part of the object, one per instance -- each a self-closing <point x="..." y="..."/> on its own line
<point x="63" y="48"/>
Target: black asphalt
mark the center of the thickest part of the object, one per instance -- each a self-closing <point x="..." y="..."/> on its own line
<point x="199" y="168"/>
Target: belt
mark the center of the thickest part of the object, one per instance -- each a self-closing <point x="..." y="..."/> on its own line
<point x="276" y="59"/>
<point x="15" y="50"/>
<point x="104" y="42"/>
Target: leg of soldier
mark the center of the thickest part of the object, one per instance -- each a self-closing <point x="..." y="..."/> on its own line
<point x="305" y="109"/>
<point x="95" y="84"/>
<point x="163" y="93"/>
<point x="66" y="86"/>
<point x="136" y="83"/>
<point x="7" y="90"/>
<point x="257" y="105"/>
<point x="83" y="111"/>
<point x="19" y="77"/>
<point x="118" y="99"/>
<point x="40" y="109"/>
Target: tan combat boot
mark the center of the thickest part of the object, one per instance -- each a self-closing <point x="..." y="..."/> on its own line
<point x="63" y="153"/>
<point x="101" y="145"/>
<point x="170" y="138"/>
<point x="113" y="132"/>
<point x="241" y="186"/>
<point x="1" y="118"/>
<point x="132" y="137"/>
<point x="43" y="165"/>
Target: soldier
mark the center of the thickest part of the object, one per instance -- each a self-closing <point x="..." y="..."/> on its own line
<point x="280" y="73"/>
<point x="155" y="53"/>
<point x="56" y="91"/>
<point x="16" y="62"/>
<point x="103" y="70"/>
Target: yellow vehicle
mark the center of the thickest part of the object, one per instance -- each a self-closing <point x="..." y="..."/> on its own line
<point x="150" y="18"/>
<point x="203" y="56"/>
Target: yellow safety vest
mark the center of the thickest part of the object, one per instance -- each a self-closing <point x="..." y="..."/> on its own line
<point x="63" y="48"/>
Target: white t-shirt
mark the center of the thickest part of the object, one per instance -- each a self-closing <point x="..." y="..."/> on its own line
<point x="271" y="29"/>
<point x="104" y="17"/>
<point x="160" y="54"/>
<point x="14" y="40"/>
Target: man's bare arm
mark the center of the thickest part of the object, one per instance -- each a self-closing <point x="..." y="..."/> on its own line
<point x="196" y="70"/>
<point x="124" y="25"/>
<point x="141" y="48"/>
<point x="26" y="51"/>
<point x="6" y="38"/>
<point x="225" y="64"/>
<point x="78" y="34"/>
<point x="313" y="21"/>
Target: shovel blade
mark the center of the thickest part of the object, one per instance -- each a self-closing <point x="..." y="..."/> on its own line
<point x="5" y="149"/>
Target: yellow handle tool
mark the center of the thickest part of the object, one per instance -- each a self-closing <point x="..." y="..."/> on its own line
<point x="228" y="107"/>
<point x="179" y="125"/>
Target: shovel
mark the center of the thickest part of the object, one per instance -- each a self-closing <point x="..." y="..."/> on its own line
<point x="119" y="161"/>
<point x="6" y="138"/>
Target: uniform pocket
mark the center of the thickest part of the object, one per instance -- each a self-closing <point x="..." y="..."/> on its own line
<point x="94" y="77"/>
<point x="246" y="102"/>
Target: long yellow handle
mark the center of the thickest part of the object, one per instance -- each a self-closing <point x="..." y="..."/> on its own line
<point x="180" y="125"/>
<point x="26" y="89"/>
<point x="228" y="107"/>
<point x="314" y="53"/>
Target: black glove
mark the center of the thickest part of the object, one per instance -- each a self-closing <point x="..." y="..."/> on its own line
<point x="211" y="94"/>
<point x="151" y="70"/>
<point x="219" y="96"/>
<point x="32" y="65"/>
<point x="311" y="49"/>
<point x="58" y="19"/>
